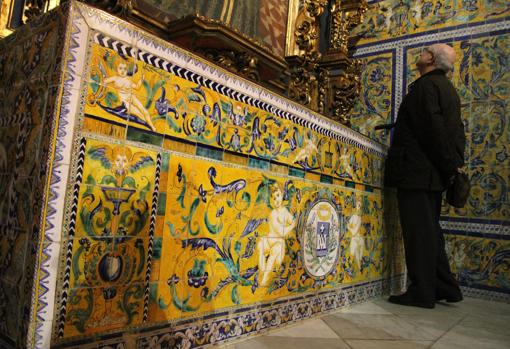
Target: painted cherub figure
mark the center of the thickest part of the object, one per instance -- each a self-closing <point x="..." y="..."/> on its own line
<point x="345" y="162"/>
<point x="271" y="248"/>
<point x="308" y="150"/>
<point x="357" y="245"/>
<point x="123" y="84"/>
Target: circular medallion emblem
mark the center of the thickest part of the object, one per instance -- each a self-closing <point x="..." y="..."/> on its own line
<point x="320" y="238"/>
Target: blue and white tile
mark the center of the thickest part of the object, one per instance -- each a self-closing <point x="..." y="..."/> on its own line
<point x="55" y="214"/>
<point x="103" y="22"/>
<point x="77" y="51"/>
<point x="246" y="87"/>
<point x="162" y="49"/>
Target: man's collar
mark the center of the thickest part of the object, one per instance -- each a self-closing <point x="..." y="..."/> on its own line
<point x="432" y="72"/>
<point x="436" y="71"/>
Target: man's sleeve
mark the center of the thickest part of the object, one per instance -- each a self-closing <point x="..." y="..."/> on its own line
<point x="429" y="127"/>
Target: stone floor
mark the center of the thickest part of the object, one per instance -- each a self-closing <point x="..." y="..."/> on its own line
<point x="471" y="324"/>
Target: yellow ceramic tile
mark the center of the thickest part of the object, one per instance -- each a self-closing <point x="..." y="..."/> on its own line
<point x="133" y="254"/>
<point x="305" y="152"/>
<point x="106" y="308"/>
<point x="197" y="109"/>
<point x="103" y="128"/>
<point x="87" y="255"/>
<point x="279" y="169"/>
<point x="115" y="197"/>
<point x="181" y="147"/>
<point x="110" y="85"/>
<point x="157" y="100"/>
<point x="235" y="159"/>
<point x="312" y="176"/>
<point x="218" y="244"/>
<point x="160" y="226"/>
<point x="337" y="181"/>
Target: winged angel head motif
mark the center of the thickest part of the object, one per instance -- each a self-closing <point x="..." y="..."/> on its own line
<point x="121" y="161"/>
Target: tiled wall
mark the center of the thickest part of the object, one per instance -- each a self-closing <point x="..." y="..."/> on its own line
<point x="183" y="205"/>
<point x="392" y="36"/>
<point x="29" y="73"/>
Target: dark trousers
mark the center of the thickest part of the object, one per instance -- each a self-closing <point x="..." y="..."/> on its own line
<point x="426" y="260"/>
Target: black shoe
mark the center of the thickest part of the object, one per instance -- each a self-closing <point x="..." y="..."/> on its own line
<point x="406" y="299"/>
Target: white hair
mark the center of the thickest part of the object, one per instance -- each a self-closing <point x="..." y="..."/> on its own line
<point x="444" y="56"/>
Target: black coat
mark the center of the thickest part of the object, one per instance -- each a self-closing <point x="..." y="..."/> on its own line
<point x="428" y="140"/>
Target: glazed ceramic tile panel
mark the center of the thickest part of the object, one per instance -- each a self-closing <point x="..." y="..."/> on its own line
<point x="390" y="19"/>
<point x="156" y="236"/>
<point x="154" y="102"/>
<point x="231" y="239"/>
<point x="376" y="105"/>
<point x="111" y="238"/>
<point x="480" y="261"/>
<point x="479" y="33"/>
<point x="27" y="77"/>
<point x="179" y="198"/>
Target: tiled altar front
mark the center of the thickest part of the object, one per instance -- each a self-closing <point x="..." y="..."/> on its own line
<point x="174" y="203"/>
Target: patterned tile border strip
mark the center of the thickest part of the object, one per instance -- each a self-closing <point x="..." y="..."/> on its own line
<point x="485" y="294"/>
<point x="436" y="35"/>
<point x="43" y="295"/>
<point x="72" y="225"/>
<point x="300" y="115"/>
<point x="245" y="323"/>
<point x="481" y="227"/>
<point x="155" y="197"/>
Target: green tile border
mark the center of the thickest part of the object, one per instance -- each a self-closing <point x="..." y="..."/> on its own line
<point x="209" y="152"/>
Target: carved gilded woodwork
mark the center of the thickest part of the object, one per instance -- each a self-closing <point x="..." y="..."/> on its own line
<point x="304" y="83"/>
<point x="312" y="82"/>
<point x="344" y="89"/>
<point x="242" y="63"/>
<point x="307" y="25"/>
<point x="323" y="85"/>
<point x="345" y="86"/>
<point x="304" y="68"/>
<point x="14" y="13"/>
<point x="343" y="18"/>
<point x="118" y="7"/>
<point x="230" y="49"/>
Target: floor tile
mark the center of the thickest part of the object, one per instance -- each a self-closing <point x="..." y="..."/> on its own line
<point x="480" y="306"/>
<point x="491" y="323"/>
<point x="291" y="343"/>
<point x="402" y="309"/>
<point x="470" y="337"/>
<point x="387" y="344"/>
<point x="377" y="326"/>
<point x="365" y="308"/>
<point x="435" y="324"/>
<point x="472" y="323"/>
<point x="313" y="328"/>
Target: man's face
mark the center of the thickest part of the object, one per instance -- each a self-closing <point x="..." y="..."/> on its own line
<point x="426" y="59"/>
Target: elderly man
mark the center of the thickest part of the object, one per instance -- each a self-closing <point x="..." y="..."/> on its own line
<point x="427" y="150"/>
